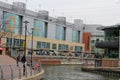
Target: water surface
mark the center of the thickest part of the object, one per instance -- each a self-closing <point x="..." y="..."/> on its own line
<point x="71" y="72"/>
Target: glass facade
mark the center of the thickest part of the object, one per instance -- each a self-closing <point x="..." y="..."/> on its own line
<point x="112" y="35"/>
<point x="60" y="33"/>
<point x="78" y="48"/>
<point x="15" y="42"/>
<point x="8" y="42"/>
<point x="62" y="47"/>
<point x="75" y="36"/>
<point x="42" y="45"/>
<point x="54" y="46"/>
<point x="39" y="30"/>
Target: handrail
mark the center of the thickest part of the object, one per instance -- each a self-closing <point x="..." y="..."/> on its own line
<point x="96" y="62"/>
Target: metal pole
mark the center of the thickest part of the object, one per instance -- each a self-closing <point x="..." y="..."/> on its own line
<point x="26" y="22"/>
<point x="119" y="50"/>
<point x="11" y="45"/>
<point x="31" y="48"/>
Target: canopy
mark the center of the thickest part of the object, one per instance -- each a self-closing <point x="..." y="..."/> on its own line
<point x="2" y="48"/>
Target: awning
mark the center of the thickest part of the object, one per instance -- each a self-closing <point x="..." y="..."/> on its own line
<point x="107" y="44"/>
<point x="2" y="48"/>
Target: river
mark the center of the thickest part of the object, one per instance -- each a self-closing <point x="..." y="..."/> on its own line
<point x="71" y="72"/>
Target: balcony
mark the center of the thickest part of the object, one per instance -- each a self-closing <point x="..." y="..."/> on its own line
<point x="107" y="44"/>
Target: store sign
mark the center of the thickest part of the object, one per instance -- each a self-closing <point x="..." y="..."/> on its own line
<point x="5" y="34"/>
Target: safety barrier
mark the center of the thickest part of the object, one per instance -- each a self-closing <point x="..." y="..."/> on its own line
<point x="93" y="62"/>
<point x="107" y="67"/>
<point x="13" y="72"/>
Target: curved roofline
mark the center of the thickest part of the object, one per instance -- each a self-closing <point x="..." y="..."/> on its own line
<point x="108" y="27"/>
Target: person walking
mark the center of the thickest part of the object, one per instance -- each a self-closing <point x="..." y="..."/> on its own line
<point x="23" y="61"/>
<point x="18" y="59"/>
<point x="96" y="59"/>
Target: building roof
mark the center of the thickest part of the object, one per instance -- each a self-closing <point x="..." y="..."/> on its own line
<point x="109" y="27"/>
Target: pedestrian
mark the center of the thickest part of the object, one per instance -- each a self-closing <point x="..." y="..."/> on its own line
<point x="96" y="59"/>
<point x="100" y="60"/>
<point x="37" y="66"/>
<point x="23" y="61"/>
<point x="18" y="59"/>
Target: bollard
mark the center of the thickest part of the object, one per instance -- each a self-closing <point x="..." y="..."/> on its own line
<point x="12" y="77"/>
<point x="1" y="73"/>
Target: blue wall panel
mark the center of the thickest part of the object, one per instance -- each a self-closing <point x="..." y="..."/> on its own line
<point x="12" y="22"/>
<point x="39" y="28"/>
<point x="59" y="33"/>
<point x="74" y="35"/>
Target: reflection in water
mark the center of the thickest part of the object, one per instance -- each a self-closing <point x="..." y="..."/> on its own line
<point x="71" y="72"/>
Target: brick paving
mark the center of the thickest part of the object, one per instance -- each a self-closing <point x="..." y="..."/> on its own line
<point x="5" y="62"/>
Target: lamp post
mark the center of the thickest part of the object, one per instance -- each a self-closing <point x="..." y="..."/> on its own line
<point x="83" y="29"/>
<point x="32" y="45"/>
<point x="26" y="23"/>
<point x="119" y="50"/>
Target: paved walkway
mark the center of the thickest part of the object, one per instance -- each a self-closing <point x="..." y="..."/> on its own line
<point x="8" y="64"/>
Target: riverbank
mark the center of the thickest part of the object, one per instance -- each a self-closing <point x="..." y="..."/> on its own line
<point x="57" y="60"/>
<point x="108" y="71"/>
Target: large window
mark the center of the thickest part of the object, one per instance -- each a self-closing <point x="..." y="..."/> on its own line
<point x="22" y="42"/>
<point x="111" y="35"/>
<point x="60" y="33"/>
<point x="75" y="36"/>
<point x="16" y="42"/>
<point x="8" y="41"/>
<point x="54" y="46"/>
<point x="45" y="45"/>
<point x="38" y="44"/>
<point x="40" y="28"/>
<point x="62" y="47"/>
<point x="78" y="48"/>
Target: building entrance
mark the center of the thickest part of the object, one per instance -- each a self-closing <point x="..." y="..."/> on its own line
<point x="0" y="52"/>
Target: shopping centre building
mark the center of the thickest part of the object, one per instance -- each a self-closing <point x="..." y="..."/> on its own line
<point x="48" y="32"/>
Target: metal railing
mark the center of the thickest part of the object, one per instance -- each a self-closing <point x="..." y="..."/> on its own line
<point x="94" y="62"/>
<point x="12" y="71"/>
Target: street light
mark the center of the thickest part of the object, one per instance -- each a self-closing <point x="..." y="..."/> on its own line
<point x="32" y="45"/>
<point x="31" y="49"/>
<point x="26" y="23"/>
<point x="119" y="50"/>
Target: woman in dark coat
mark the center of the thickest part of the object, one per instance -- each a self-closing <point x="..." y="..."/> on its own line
<point x="23" y="60"/>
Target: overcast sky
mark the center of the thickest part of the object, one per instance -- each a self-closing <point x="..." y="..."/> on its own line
<point x="104" y="12"/>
